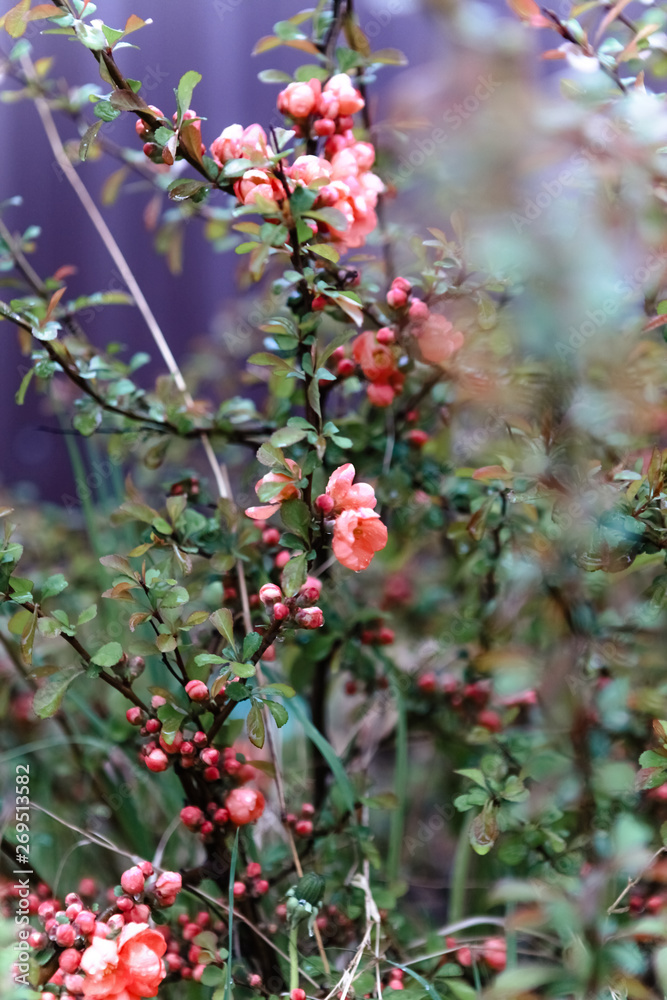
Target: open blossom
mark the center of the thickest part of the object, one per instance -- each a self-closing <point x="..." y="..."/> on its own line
<point x="299" y="99"/>
<point x="126" y="968"/>
<point x="287" y="492"/>
<point x="309" y="168"/>
<point x="258" y="182"/>
<point x="378" y="362"/>
<point x="358" y="535"/>
<point x="347" y="496"/>
<point x="236" y="142"/>
<point x="437" y="338"/>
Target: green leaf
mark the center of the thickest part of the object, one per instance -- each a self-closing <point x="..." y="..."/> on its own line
<point x="295" y="515"/>
<point x="224" y="623"/>
<point x="87" y="615"/>
<point x="49" y="696"/>
<point x="242" y="669"/>
<point x="237" y="691"/>
<point x="88" y="138"/>
<point x="171" y="718"/>
<point x="388" y="57"/>
<point x="326" y="251"/>
<point x="109" y="655"/>
<point x="251" y="644"/>
<point x="284" y="690"/>
<point x="212" y="975"/>
<point x="279" y="713"/>
<point x="269" y="455"/>
<point x="186" y="86"/>
<point x="105" y="111"/>
<point x="182" y="190"/>
<point x="28" y="637"/>
<point x="166" y="643"/>
<point x="274" y="76"/>
<point x="650" y="758"/>
<point x="255" y="726"/>
<point x="294" y="575"/>
<point x="19" y="398"/>
<point x="286" y="436"/>
<point x="54" y="585"/>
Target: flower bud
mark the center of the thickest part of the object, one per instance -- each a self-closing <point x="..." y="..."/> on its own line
<point x="135" y="716"/>
<point x="167" y="887"/>
<point x="197" y="691"/>
<point x="269" y="593"/>
<point x="191" y="816"/>
<point x="280" y="611"/>
<point x="69" y="960"/>
<point x="210" y="756"/>
<point x="324" y="502"/>
<point x="132" y="881"/>
<point x="396" y="298"/>
<point x="418" y="310"/>
<point x="156" y="760"/>
<point x="309" y="618"/>
<point x="65" y="935"/>
<point x="311" y="589"/>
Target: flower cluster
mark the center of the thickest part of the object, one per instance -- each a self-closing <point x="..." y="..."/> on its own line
<point x="358" y="532"/>
<point x="475" y="700"/>
<point x="241" y="806"/>
<point x="339" y="178"/>
<point x="118" y="956"/>
<point x="294" y="610"/>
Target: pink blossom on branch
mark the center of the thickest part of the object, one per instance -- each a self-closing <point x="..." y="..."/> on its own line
<point x="288" y="491"/>
<point x="358" y="535"/>
<point x="126" y="968"/>
<point x="347" y="496"/>
<point x="437" y="339"/>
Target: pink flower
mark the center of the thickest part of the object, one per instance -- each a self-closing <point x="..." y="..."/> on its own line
<point x="256" y="182"/>
<point x="339" y="97"/>
<point x="288" y="491"/>
<point x="376" y="360"/>
<point x="358" y="535"/>
<point x="236" y="142"/>
<point x="380" y="394"/>
<point x="126" y="968"/>
<point x="167" y="887"/>
<point x="438" y="339"/>
<point x="494" y="953"/>
<point x="309" y="168"/>
<point x="244" y="805"/>
<point x="346" y="496"/>
<point x="299" y="99"/>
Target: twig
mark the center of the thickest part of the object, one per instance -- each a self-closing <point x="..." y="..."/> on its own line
<point x="633" y="882"/>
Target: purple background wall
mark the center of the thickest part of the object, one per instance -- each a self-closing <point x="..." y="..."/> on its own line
<point x="214" y="37"/>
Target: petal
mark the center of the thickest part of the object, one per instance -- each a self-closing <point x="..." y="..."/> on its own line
<point x="262" y="513"/>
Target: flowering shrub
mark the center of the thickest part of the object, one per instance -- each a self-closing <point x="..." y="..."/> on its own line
<point x="368" y="659"/>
